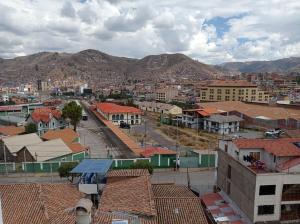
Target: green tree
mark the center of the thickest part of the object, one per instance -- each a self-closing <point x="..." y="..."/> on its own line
<point x="30" y="128"/>
<point x="65" y="169"/>
<point x="142" y="164"/>
<point x="73" y="112"/>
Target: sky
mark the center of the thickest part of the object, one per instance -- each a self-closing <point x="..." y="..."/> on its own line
<point x="211" y="31"/>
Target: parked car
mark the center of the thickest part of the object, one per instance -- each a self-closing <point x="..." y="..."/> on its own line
<point x="124" y="125"/>
<point x="274" y="133"/>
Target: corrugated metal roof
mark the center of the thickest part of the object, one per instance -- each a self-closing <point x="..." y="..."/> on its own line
<point x="15" y="143"/>
<point x="99" y="166"/>
<point x="49" y="149"/>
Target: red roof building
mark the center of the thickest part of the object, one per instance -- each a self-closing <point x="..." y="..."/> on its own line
<point x="45" y="114"/>
<point x="150" y="151"/>
<point x="278" y="147"/>
<point x="119" y="114"/>
<point x="46" y="119"/>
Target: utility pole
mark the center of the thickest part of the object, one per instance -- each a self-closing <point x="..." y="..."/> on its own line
<point x="177" y="151"/>
<point x="25" y="168"/>
<point x="145" y="131"/>
<point x="4" y="152"/>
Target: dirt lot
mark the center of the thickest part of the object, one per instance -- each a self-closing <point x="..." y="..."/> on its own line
<point x="166" y="135"/>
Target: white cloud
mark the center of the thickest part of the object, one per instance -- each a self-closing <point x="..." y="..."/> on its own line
<point x="257" y="30"/>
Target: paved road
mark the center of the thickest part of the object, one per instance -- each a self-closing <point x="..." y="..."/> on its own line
<point x="152" y="133"/>
<point x="111" y="145"/>
<point x="32" y="178"/>
<point x="91" y="135"/>
<point x="201" y="181"/>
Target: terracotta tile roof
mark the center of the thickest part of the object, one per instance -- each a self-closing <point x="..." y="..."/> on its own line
<point x="150" y="151"/>
<point x="68" y="135"/>
<point x="231" y="83"/>
<point x="204" y="111"/>
<point x="254" y="110"/>
<point x="171" y="191"/>
<point x="177" y="205"/>
<point x="44" y="114"/>
<point x="128" y="173"/>
<point x="289" y="164"/>
<point x="11" y="130"/>
<point x="115" y="108"/>
<point x="77" y="147"/>
<point x="278" y="147"/>
<point x="38" y="203"/>
<point x="132" y="195"/>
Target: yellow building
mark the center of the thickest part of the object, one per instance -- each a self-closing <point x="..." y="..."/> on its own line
<point x="232" y="90"/>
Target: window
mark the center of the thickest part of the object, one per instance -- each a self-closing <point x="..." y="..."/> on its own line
<point x="219" y="91"/>
<point x="211" y="91"/>
<point x="267" y="190"/>
<point x="229" y="171"/>
<point x="113" y="117"/>
<point x="228" y="188"/>
<point x="211" y="97"/>
<point x="274" y="159"/>
<point x="255" y="155"/>
<point x="219" y="97"/>
<point x="226" y="148"/>
<point x="122" y="117"/>
<point x="227" y="98"/>
<point x="252" y="98"/>
<point x="265" y="210"/>
<point x="227" y="91"/>
<point x="203" y="93"/>
<point x="253" y="92"/>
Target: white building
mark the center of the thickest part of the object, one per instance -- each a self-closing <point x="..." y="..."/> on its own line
<point x="262" y="176"/>
<point x="117" y="114"/>
<point x="157" y="107"/>
<point x="222" y="124"/>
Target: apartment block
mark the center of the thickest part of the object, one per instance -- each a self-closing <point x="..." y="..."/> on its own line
<point x="232" y="90"/>
<point x="262" y="176"/>
<point x="166" y="94"/>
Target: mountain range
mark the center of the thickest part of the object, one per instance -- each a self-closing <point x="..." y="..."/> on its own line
<point x="100" y="69"/>
<point x="285" y="65"/>
<point x="96" y="68"/>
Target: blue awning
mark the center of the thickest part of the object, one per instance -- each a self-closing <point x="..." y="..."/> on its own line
<point x="99" y="166"/>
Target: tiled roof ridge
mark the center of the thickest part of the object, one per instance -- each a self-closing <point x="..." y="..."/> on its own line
<point x="43" y="202"/>
<point x="151" y="196"/>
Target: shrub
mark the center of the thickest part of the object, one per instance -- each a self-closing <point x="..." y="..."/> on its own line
<point x="65" y="169"/>
<point x="142" y="164"/>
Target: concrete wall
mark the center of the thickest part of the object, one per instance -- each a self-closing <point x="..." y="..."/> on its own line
<point x="242" y="183"/>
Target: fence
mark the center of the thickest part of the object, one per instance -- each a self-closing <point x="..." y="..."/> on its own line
<point x="195" y="160"/>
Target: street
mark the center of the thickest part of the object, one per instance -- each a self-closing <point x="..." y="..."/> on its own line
<point x="201" y="181"/>
<point x="151" y="133"/>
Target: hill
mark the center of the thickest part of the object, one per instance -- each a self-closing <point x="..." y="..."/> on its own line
<point x="96" y="68"/>
<point x="285" y="65"/>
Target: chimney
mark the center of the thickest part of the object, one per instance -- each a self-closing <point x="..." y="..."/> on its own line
<point x="84" y="211"/>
